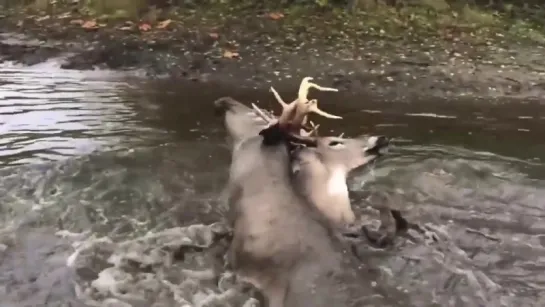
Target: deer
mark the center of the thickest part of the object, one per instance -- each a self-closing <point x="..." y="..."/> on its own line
<point x="320" y="172"/>
<point x="282" y="243"/>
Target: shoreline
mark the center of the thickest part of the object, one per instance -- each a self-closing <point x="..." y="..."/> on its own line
<point x="256" y="50"/>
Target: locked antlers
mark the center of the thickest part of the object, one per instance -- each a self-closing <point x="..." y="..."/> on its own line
<point x="294" y="115"/>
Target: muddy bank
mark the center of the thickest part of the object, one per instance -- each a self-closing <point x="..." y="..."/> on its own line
<point x="249" y="48"/>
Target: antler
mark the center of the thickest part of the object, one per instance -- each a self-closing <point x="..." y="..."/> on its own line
<point x="313" y="130"/>
<point x="262" y="114"/>
<point x="297" y="110"/>
<point x="294" y="114"/>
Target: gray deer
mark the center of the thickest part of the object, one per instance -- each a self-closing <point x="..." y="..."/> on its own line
<point x="283" y="242"/>
<point x="319" y="172"/>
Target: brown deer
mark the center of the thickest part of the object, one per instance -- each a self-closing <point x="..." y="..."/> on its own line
<point x="282" y="243"/>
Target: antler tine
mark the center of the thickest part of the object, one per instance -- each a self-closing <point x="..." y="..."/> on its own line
<point x="313" y="107"/>
<point x="310" y="107"/>
<point x="303" y="139"/>
<point x="312" y="132"/>
<point x="278" y="98"/>
<point x="302" y="98"/>
<point x="262" y="114"/>
<point x="306" y="85"/>
<point x="289" y="110"/>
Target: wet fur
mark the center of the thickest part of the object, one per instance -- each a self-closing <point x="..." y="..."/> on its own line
<point x="311" y="167"/>
<point x="281" y="243"/>
<point x="333" y="199"/>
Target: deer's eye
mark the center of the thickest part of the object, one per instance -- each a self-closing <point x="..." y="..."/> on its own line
<point x="335" y="143"/>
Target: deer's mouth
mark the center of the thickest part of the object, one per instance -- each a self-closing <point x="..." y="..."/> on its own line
<point x="377" y="145"/>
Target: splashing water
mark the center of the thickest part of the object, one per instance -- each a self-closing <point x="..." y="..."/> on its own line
<point x="110" y="194"/>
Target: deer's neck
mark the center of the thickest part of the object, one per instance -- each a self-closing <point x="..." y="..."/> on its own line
<point x="336" y="183"/>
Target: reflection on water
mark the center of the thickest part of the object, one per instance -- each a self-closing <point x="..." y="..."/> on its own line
<point x="49" y="114"/>
<point x="122" y="157"/>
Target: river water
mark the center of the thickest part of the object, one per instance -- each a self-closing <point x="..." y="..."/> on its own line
<point x="102" y="174"/>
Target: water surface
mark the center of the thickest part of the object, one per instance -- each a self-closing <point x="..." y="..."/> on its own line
<point x="102" y="153"/>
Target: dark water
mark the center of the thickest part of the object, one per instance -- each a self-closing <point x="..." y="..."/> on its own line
<point x="102" y="153"/>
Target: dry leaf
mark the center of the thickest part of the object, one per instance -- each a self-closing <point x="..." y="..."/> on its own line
<point x="144" y="27"/>
<point x="90" y="25"/>
<point x="163" y="24"/>
<point x="77" y="22"/>
<point x="65" y="15"/>
<point x="230" y="54"/>
<point x="46" y="17"/>
<point x="276" y="15"/>
<point x="126" y="28"/>
<point x="214" y="35"/>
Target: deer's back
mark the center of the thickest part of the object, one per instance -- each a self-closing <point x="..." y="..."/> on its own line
<point x="281" y="243"/>
<point x="273" y="227"/>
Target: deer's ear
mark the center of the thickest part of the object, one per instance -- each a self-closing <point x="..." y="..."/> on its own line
<point x="295" y="168"/>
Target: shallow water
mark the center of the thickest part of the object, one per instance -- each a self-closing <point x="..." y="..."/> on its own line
<point x="103" y="154"/>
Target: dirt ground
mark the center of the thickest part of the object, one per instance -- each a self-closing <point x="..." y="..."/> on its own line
<point x="250" y="48"/>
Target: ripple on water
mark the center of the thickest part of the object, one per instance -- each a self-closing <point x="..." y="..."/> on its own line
<point x="119" y="197"/>
<point x="489" y="214"/>
<point x="484" y="212"/>
<point x="47" y="114"/>
<point x="129" y="203"/>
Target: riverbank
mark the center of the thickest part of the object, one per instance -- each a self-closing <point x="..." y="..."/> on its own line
<point x="386" y="52"/>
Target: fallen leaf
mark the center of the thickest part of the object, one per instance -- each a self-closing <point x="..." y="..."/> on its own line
<point x="214" y="35"/>
<point x="230" y="54"/>
<point x="20" y="23"/>
<point x="46" y="17"/>
<point x="163" y="24"/>
<point x="65" y="15"/>
<point x="126" y="28"/>
<point x="77" y="22"/>
<point x="90" y="25"/>
<point x="144" y="27"/>
<point x="275" y="15"/>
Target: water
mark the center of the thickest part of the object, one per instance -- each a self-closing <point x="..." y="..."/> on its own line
<point x="106" y="159"/>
